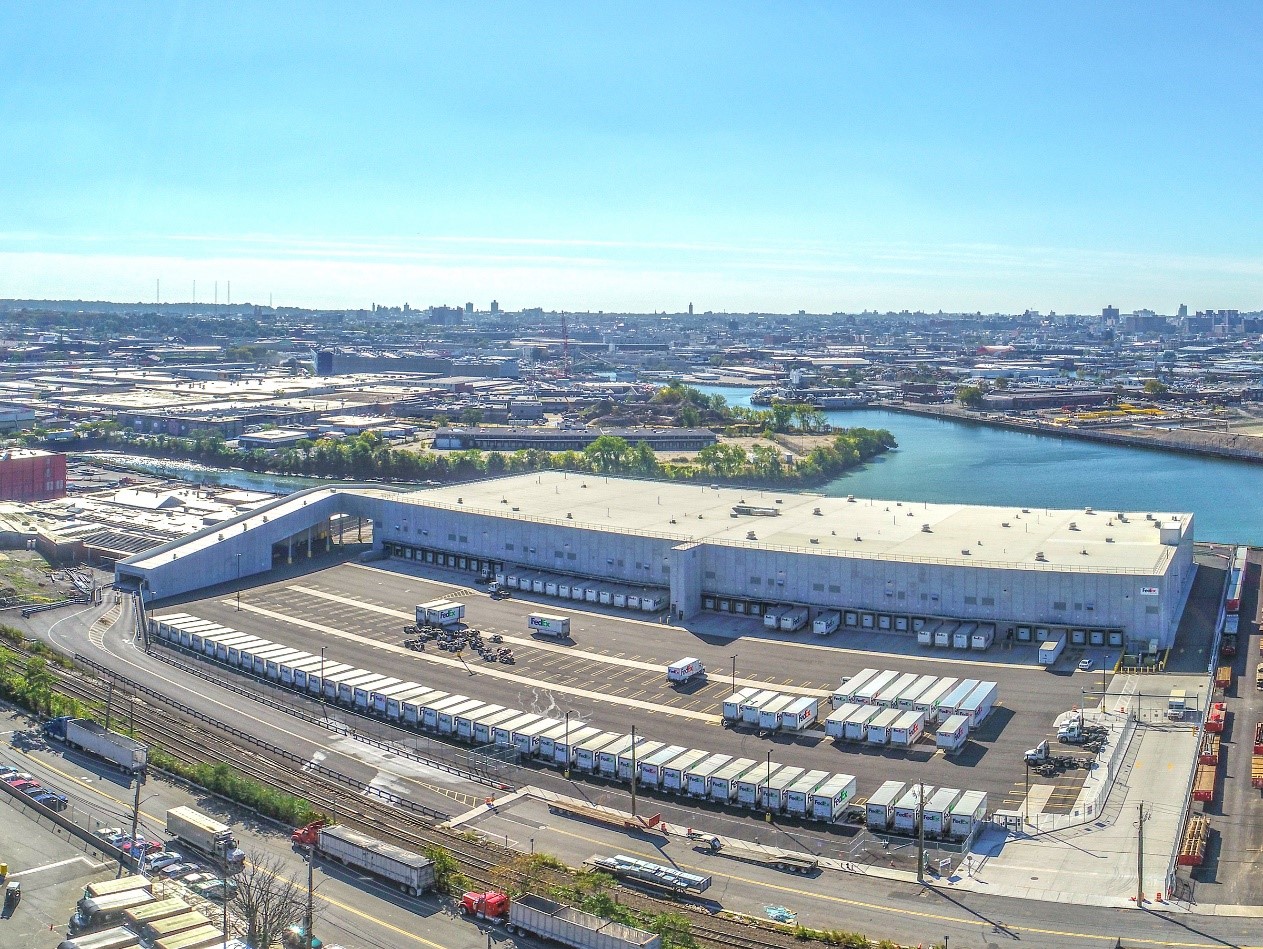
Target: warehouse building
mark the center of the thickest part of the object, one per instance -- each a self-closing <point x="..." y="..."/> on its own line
<point x="1108" y="576"/>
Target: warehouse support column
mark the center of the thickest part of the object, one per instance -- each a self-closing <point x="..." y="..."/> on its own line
<point x="310" y="543"/>
<point x="686" y="581"/>
<point x="289" y="543"/>
<point x="328" y="534"/>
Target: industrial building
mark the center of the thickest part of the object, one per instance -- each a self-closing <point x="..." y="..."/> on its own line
<point x="27" y="474"/>
<point x="1101" y="576"/>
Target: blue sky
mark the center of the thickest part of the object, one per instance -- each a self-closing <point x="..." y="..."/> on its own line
<point x="831" y="156"/>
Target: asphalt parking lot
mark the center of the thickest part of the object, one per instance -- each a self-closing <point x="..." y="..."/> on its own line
<point x="612" y="672"/>
<point x="53" y="871"/>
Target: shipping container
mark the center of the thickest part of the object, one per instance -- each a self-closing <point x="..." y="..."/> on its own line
<point x="732" y="704"/>
<point x="829" y="801"/>
<point x="798" y="795"/>
<point x="907" y="729"/>
<point x="826" y="623"/>
<point x="673" y="773"/>
<point x="847" y="689"/>
<point x="978" y="704"/>
<point x="907" y="810"/>
<point x="775" y="791"/>
<point x="751" y="706"/>
<point x="651" y="768"/>
<point x="722" y="785"/>
<point x="879" y="811"/>
<point x="952" y="734"/>
<point x="629" y="761"/>
<point x="697" y="776"/>
<point x="866" y="694"/>
<point x="888" y="697"/>
<point x="802" y="713"/>
<point x="968" y="814"/>
<point x="878" y="730"/>
<point x="937" y="814"/>
<point x="856" y="727"/>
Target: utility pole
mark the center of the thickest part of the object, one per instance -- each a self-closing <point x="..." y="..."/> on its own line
<point x="633" y="769"/>
<point x="734" y="675"/>
<point x="1140" y="858"/>
<point x="311" y="901"/>
<point x="109" y="701"/>
<point x="140" y="780"/>
<point x="921" y="832"/>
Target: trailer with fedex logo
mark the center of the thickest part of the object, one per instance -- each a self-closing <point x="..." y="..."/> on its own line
<point x="546" y="624"/>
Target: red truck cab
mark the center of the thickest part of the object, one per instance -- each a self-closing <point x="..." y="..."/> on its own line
<point x="491" y="905"/>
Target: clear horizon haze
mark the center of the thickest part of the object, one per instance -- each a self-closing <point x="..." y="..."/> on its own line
<point x="635" y="157"/>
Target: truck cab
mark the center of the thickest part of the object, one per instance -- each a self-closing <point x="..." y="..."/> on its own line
<point x="491" y="906"/>
<point x="1177" y="704"/>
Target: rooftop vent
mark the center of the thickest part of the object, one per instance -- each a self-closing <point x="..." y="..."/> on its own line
<point x="851" y="498"/>
<point x="672" y="521"/>
<point x="966" y="552"/>
<point x="1148" y="517"/>
<point x="750" y="535"/>
<point x="460" y="500"/>
<point x="517" y="509"/>
<point x="1084" y="552"/>
<point x="1026" y="510"/>
<point x="1109" y="540"/>
<point x="1039" y="555"/>
<point x="815" y="540"/>
<point x="1074" y="526"/>
<point x="1004" y="523"/>
<point x="570" y="517"/>
<point x="504" y="500"/>
<point x="859" y="539"/>
<point x="925" y="529"/>
<point x="1088" y="510"/>
<point x="816" y="511"/>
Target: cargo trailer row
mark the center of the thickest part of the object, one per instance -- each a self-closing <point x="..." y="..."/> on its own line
<point x="770" y="710"/>
<point x="949" y="634"/>
<point x="876" y="726"/>
<point x="786" y="618"/>
<point x="947" y="813"/>
<point x="572" y="745"/>
<point x="935" y="697"/>
<point x="601" y="592"/>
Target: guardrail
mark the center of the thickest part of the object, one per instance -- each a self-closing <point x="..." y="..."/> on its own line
<point x="28" y="611"/>
<point x="306" y="763"/>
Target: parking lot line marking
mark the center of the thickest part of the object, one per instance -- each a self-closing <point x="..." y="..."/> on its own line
<point x="494" y="673"/>
<point x="60" y="863"/>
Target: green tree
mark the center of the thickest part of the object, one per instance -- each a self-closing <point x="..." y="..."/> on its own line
<point x="608" y="453"/>
<point x="39" y="683"/>
<point x="1156" y="387"/>
<point x="970" y="396"/>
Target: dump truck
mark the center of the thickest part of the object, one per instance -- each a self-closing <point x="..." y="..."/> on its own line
<point x="536" y="916"/>
<point x="205" y="835"/>
<point x="411" y="872"/>
<point x="95" y="739"/>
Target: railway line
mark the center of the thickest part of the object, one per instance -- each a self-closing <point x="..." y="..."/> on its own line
<point x="198" y="739"/>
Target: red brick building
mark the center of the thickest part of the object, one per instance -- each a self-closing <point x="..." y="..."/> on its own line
<point x="30" y="475"/>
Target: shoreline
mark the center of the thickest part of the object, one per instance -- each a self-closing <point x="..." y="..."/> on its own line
<point x="1225" y="446"/>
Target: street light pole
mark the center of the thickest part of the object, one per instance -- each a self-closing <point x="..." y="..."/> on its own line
<point x="567" y="769"/>
<point x="734" y="675"/>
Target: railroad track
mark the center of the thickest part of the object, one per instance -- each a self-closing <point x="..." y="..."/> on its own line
<point x="199" y="741"/>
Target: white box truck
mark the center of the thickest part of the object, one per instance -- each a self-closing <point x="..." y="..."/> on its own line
<point x="546" y="624"/>
<point x="685" y="670"/>
<point x="826" y="623"/>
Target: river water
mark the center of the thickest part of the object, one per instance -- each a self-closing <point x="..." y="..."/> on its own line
<point x="947" y="461"/>
<point x="955" y="462"/>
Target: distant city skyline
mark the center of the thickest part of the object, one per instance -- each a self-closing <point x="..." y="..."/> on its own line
<point x="772" y="158"/>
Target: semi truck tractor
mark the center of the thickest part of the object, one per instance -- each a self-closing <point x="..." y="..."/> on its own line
<point x="206" y="836"/>
<point x="95" y="739"/>
<point x="409" y="871"/>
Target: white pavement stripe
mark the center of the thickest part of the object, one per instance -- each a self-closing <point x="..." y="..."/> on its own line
<point x="481" y="670"/>
<point x="570" y="651"/>
<point x="92" y="865"/>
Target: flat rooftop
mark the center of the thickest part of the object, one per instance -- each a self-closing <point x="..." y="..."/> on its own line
<point x="1100" y="541"/>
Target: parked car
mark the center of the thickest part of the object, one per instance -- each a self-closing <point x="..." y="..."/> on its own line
<point x="26" y="786"/>
<point x="52" y="800"/>
<point x="177" y="870"/>
<point x="199" y="878"/>
<point x="160" y="859"/>
<point x="105" y="833"/>
<point x="16" y="776"/>
<point x="216" y="890"/>
<point x="1085" y="665"/>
